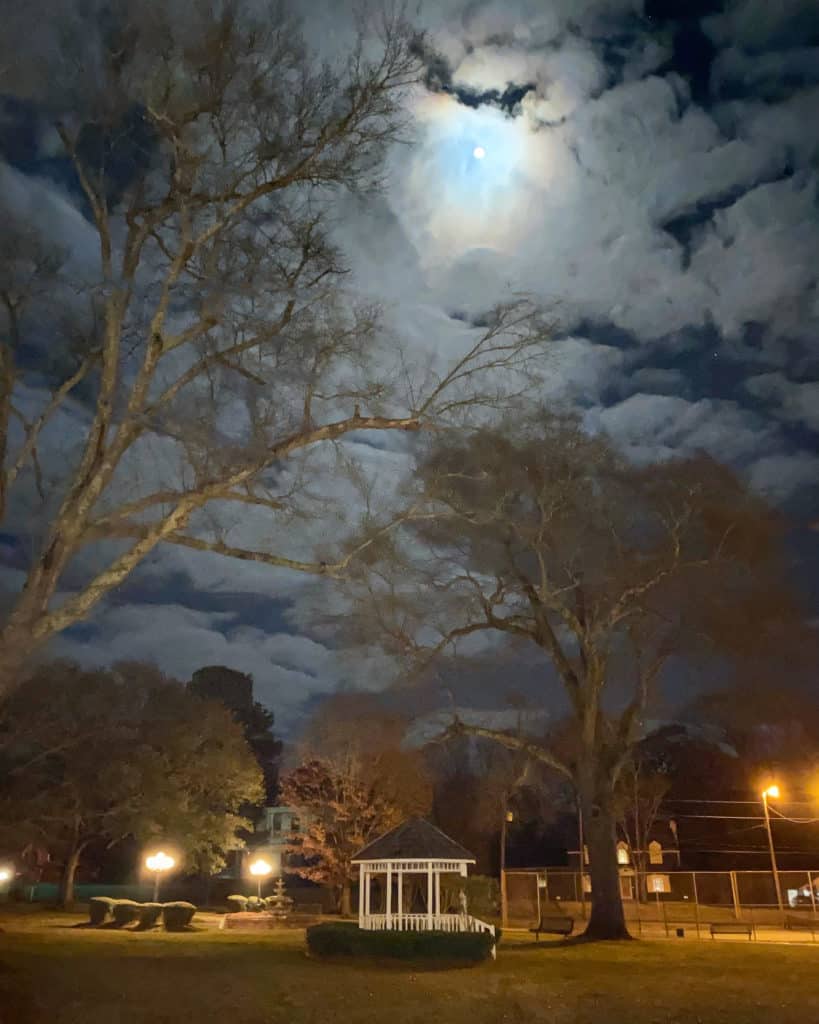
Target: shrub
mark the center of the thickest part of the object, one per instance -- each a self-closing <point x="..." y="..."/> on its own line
<point x="255" y="904"/>
<point x="347" y="939"/>
<point x="177" y="916"/>
<point x="99" y="909"/>
<point x="237" y="904"/>
<point x="149" y="914"/>
<point x="125" y="911"/>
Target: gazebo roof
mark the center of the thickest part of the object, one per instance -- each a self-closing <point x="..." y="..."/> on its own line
<point x="415" y="839"/>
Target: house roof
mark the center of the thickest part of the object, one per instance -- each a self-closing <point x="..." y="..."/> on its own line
<point x="415" y="839"/>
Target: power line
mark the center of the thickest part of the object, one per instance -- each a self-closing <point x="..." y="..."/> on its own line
<point x="704" y="800"/>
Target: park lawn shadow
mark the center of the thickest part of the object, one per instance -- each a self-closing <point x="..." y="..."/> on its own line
<point x="393" y="964"/>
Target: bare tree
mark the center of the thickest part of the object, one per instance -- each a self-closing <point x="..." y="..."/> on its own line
<point x="644" y="784"/>
<point x="176" y="379"/>
<point x="538" y="534"/>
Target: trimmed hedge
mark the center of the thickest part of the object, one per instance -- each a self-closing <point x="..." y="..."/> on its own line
<point x="237" y="904"/>
<point x="177" y="916"/>
<point x="149" y="914"/>
<point x="99" y="909"/>
<point x="347" y="939"/>
<point x="125" y="911"/>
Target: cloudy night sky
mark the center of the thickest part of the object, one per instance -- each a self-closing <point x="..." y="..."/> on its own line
<point x="649" y="172"/>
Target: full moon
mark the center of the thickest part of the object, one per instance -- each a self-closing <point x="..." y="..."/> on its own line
<point x="479" y="152"/>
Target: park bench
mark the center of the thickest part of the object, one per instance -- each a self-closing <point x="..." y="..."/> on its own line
<point x="794" y="922"/>
<point x="731" y="928"/>
<point x="553" y="924"/>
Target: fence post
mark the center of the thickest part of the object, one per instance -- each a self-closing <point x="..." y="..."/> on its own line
<point x="537" y="894"/>
<point x="735" y="895"/>
<point x="696" y="902"/>
<point x="812" y="894"/>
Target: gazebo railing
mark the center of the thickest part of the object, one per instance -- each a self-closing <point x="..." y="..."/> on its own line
<point x="425" y="922"/>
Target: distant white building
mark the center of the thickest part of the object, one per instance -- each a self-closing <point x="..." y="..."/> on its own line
<point x="280" y="824"/>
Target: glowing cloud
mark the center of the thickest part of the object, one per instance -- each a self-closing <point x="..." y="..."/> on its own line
<point x="462" y="186"/>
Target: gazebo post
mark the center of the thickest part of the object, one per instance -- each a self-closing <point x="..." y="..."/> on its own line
<point x="438" y="893"/>
<point x="429" y="896"/>
<point x="400" y="898"/>
<point x="360" y="895"/>
<point x="389" y="896"/>
<point x="367" y="894"/>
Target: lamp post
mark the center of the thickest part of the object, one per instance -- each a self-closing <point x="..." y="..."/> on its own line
<point x="158" y="862"/>
<point x="506" y="819"/>
<point x="260" y="869"/>
<point x="772" y="792"/>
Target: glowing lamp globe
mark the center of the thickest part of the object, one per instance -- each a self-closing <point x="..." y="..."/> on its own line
<point x="5" y="875"/>
<point x="260" y="867"/>
<point x="159" y="861"/>
<point x="479" y="152"/>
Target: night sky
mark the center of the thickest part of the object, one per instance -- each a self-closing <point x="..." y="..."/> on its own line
<point x="651" y="176"/>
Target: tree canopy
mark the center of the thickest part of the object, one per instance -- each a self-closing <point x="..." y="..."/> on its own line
<point x="101" y="755"/>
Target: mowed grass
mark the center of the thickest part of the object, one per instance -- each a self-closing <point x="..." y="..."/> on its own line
<point x="52" y="972"/>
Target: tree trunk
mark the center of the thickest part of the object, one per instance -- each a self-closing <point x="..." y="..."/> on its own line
<point x="345" y="903"/>
<point x="607" y="920"/>
<point x="66" y="891"/>
<point x="16" y="648"/>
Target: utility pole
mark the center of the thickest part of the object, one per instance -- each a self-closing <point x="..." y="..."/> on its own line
<point x="772" y="791"/>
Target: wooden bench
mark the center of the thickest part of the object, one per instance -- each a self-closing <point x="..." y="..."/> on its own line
<point x="794" y="922"/>
<point x="553" y="924"/>
<point x="731" y="928"/>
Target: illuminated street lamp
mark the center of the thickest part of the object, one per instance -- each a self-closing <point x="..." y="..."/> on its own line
<point x="5" y="875"/>
<point x="158" y="862"/>
<point x="260" y="869"/>
<point x="772" y="793"/>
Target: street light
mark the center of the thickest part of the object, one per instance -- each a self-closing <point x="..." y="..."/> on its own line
<point x="260" y="869"/>
<point x="772" y="793"/>
<point x="158" y="862"/>
<point x="5" y="875"/>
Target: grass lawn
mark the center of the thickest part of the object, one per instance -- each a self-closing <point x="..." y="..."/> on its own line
<point x="52" y="972"/>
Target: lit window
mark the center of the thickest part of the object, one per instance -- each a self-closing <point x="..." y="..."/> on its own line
<point x="655" y="852"/>
<point x="622" y="853"/>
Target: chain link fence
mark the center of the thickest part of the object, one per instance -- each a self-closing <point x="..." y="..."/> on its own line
<point x="673" y="899"/>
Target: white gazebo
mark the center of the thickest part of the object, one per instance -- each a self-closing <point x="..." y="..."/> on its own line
<point x="413" y="849"/>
